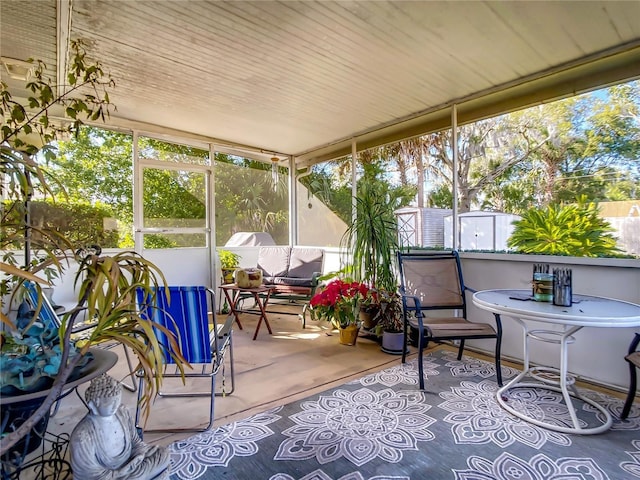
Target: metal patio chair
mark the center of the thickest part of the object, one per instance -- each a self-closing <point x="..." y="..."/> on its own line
<point x="435" y="305"/>
<point x="188" y="312"/>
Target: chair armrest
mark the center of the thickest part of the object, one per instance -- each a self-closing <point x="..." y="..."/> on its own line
<point x="416" y="302"/>
<point x="633" y="346"/>
<point x="224" y="328"/>
<point x="417" y="308"/>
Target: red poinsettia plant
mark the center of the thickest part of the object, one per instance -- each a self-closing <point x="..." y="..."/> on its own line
<point x="340" y="301"/>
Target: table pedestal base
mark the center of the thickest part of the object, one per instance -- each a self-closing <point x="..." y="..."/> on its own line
<point x="503" y="400"/>
<point x="553" y="379"/>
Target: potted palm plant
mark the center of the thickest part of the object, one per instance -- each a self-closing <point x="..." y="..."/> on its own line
<point x="371" y="239"/>
<point x="106" y="285"/>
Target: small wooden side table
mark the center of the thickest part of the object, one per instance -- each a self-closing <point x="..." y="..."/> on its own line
<point x="234" y="294"/>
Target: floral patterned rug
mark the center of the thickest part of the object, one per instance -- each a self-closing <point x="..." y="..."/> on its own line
<point x="382" y="427"/>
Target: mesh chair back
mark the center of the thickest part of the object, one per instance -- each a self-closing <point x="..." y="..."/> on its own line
<point x="185" y="313"/>
<point x="435" y="279"/>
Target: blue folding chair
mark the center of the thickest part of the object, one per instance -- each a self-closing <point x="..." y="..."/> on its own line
<point x="40" y="304"/>
<point x="186" y="312"/>
<point x="50" y="319"/>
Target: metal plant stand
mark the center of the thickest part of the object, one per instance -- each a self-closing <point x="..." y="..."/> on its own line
<point x="51" y="463"/>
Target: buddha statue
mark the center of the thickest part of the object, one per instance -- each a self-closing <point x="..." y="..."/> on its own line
<point x="105" y="445"/>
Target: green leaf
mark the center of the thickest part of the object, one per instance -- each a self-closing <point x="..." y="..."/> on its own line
<point x="46" y="94"/>
<point x="18" y="113"/>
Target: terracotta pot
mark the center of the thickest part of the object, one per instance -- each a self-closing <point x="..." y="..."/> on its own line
<point x="349" y="334"/>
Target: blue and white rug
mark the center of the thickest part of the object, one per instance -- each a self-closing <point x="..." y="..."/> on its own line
<point x="381" y="427"/>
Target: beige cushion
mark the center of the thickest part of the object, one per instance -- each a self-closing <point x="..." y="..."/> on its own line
<point x="274" y="261"/>
<point x="449" y="326"/>
<point x="634" y="358"/>
<point x="304" y="262"/>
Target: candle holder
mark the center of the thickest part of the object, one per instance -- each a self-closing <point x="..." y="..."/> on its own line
<point x="542" y="283"/>
<point x="562" y="294"/>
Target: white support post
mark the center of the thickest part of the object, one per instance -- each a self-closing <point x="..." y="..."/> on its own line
<point x="138" y="214"/>
<point x="454" y="146"/>
<point x="354" y="178"/>
<point x="293" y="203"/>
<point x="211" y="217"/>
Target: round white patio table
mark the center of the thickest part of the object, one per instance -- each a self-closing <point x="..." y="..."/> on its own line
<point x="586" y="311"/>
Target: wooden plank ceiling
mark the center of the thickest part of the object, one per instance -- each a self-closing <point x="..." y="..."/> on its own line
<point x="302" y="78"/>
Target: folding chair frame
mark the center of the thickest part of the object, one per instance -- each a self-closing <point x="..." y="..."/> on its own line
<point x="220" y="339"/>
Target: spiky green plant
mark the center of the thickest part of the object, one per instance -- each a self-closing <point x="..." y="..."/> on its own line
<point x="575" y="230"/>
<point x="372" y="238"/>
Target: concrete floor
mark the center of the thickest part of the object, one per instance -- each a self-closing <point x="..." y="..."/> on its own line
<point x="273" y="370"/>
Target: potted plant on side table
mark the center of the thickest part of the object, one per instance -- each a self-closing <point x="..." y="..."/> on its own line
<point x="229" y="263"/>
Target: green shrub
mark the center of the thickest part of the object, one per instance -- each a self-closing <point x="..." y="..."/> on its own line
<point x="80" y="223"/>
<point x="575" y="230"/>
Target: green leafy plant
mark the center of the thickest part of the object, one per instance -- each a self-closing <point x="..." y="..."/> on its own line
<point x="28" y="128"/>
<point x="229" y="262"/>
<point x="106" y="285"/>
<point x="574" y="230"/>
<point x="389" y="313"/>
<point x="228" y="259"/>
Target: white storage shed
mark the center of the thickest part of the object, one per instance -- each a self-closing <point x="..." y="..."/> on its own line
<point x="480" y="230"/>
<point x="421" y="227"/>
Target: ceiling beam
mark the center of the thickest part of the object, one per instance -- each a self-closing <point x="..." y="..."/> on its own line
<point x="598" y="71"/>
<point x="186" y="138"/>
